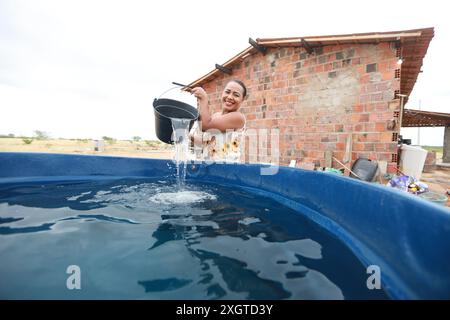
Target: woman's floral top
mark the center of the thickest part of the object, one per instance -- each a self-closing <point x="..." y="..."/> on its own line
<point x="220" y="146"/>
<point x="223" y="146"/>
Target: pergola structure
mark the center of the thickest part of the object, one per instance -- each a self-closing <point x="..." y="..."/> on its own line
<point x="419" y="118"/>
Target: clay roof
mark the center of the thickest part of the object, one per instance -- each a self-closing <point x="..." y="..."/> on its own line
<point x="419" y="118"/>
<point x="414" y="44"/>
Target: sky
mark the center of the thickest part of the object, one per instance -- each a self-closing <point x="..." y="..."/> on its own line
<point x="87" y="69"/>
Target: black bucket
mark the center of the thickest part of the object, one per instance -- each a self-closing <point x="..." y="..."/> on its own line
<point x="165" y="109"/>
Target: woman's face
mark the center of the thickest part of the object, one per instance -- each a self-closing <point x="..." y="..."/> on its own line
<point x="232" y="97"/>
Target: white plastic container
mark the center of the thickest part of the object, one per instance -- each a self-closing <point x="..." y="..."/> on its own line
<point x="412" y="160"/>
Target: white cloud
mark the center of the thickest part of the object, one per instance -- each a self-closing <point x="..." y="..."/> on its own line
<point x="93" y="68"/>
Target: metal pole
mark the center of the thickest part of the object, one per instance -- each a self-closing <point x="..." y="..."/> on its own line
<point x="418" y="128"/>
<point x="400" y="119"/>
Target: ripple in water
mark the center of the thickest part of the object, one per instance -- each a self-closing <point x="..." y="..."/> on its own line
<point x="182" y="197"/>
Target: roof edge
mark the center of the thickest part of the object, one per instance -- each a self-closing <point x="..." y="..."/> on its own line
<point x="352" y="35"/>
<point x="356" y="38"/>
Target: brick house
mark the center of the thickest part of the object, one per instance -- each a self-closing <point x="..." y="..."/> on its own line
<point x="338" y="95"/>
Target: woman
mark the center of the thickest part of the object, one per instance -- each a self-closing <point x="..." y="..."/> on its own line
<point x="221" y="133"/>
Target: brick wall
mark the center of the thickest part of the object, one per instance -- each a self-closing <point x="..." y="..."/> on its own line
<point x="430" y="162"/>
<point x="318" y="100"/>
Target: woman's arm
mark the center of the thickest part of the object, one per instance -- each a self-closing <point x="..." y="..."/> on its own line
<point x="202" y="100"/>
<point x="223" y="122"/>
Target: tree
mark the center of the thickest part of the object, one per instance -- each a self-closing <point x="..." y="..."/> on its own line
<point x="109" y="139"/>
<point x="136" y="138"/>
<point x="41" y="135"/>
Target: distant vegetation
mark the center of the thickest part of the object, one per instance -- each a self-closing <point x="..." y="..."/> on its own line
<point x="109" y="139"/>
<point x="38" y="135"/>
<point x="153" y="143"/>
<point x="41" y="135"/>
<point x="134" y="146"/>
<point x="434" y="148"/>
<point x="10" y="135"/>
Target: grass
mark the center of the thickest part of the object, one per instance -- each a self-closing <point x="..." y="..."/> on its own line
<point x="434" y="148"/>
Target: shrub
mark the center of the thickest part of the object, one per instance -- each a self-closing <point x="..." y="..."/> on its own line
<point x="41" y="135"/>
<point x="109" y="139"/>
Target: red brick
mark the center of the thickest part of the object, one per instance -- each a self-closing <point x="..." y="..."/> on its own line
<point x="380" y="147"/>
<point x="368" y="146"/>
<point x="387" y="75"/>
<point x="373" y="137"/>
<point x="364" y="117"/>
<point x="358" y="108"/>
<point x="386" y="137"/>
<point x="376" y="97"/>
<point x="369" y="127"/>
<point x="375" y="117"/>
<point x="338" y="155"/>
<point x="319" y="68"/>
<point x="328" y="67"/>
<point x="370" y="107"/>
<point x="356" y="61"/>
<point x="380" y="127"/>
<point x="360" y="137"/>
<point x="340" y="146"/>
<point x="391" y="167"/>
<point x="384" y="156"/>
<point x="381" y="107"/>
<point x="383" y="66"/>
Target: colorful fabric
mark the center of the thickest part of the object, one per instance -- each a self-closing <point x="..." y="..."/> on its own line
<point x="219" y="146"/>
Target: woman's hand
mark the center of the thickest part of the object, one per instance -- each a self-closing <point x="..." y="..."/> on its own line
<point x="200" y="94"/>
<point x="202" y="103"/>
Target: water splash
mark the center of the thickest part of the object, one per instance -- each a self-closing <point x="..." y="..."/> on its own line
<point x="181" y="140"/>
<point x="182" y="197"/>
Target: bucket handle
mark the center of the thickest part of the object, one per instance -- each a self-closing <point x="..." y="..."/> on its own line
<point x="177" y="85"/>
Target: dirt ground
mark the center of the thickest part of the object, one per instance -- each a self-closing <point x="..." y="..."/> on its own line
<point x="438" y="181"/>
<point x="124" y="148"/>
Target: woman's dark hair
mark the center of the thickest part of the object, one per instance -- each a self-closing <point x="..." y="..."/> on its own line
<point x="239" y="82"/>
